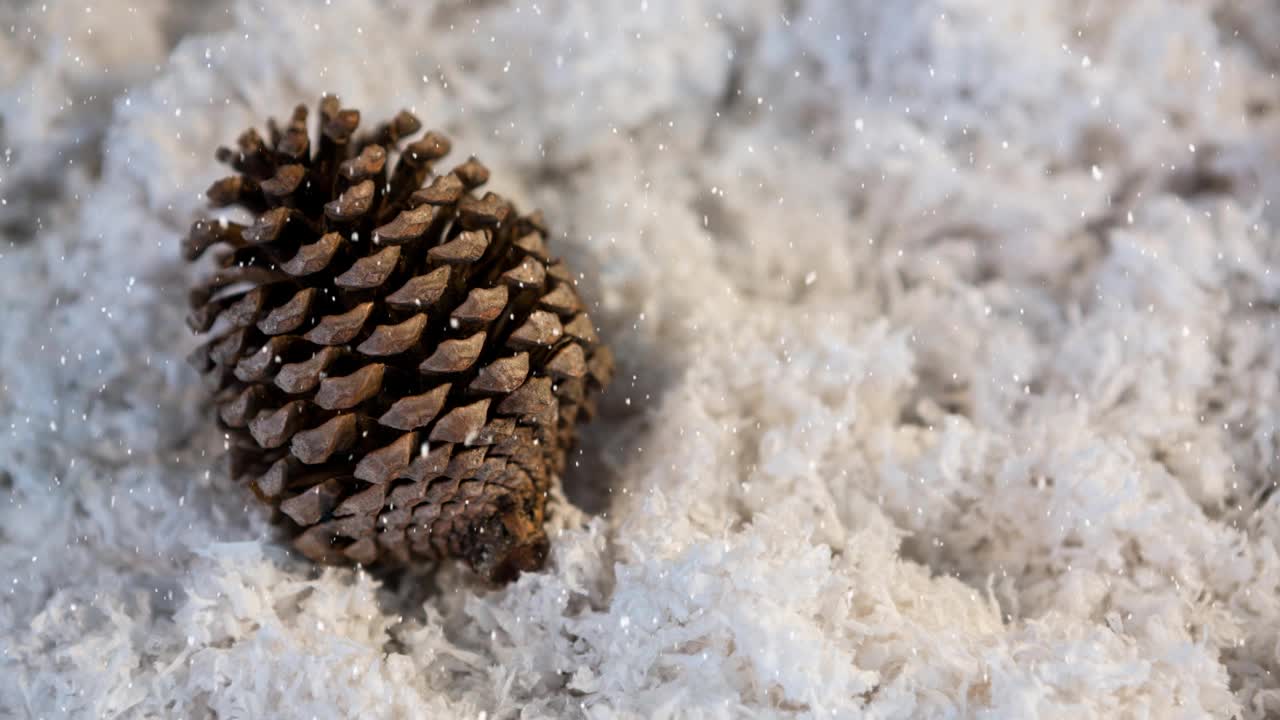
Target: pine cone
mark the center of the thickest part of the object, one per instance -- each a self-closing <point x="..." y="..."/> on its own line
<point x="398" y="368"/>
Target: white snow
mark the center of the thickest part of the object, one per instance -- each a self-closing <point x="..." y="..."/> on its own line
<point x="949" y="384"/>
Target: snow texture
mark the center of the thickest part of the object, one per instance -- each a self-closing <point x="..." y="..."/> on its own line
<point x="950" y="363"/>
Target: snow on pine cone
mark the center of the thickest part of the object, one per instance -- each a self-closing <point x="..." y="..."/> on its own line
<point x="399" y="367"/>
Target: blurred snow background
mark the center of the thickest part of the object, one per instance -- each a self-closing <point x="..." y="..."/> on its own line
<point x="950" y="377"/>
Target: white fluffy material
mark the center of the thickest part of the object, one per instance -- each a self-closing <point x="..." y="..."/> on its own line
<point x="950" y="363"/>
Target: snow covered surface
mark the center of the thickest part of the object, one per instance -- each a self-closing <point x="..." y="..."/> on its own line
<point x="950" y="363"/>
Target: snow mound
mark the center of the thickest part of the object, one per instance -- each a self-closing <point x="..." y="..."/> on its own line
<point x="949" y="373"/>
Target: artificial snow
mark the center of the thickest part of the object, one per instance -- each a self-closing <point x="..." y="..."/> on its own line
<point x="949" y="375"/>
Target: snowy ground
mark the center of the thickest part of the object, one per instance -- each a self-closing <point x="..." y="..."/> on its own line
<point x="950" y="377"/>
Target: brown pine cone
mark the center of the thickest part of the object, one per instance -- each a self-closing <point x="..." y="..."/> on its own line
<point x="399" y="368"/>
